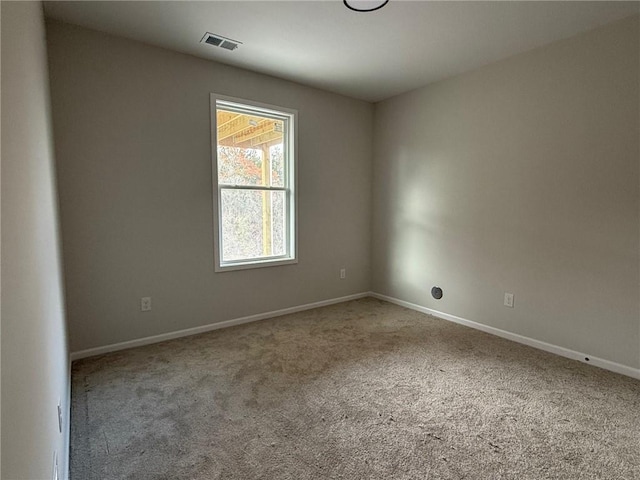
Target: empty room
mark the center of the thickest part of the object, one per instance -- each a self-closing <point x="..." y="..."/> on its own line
<point x="358" y="239"/>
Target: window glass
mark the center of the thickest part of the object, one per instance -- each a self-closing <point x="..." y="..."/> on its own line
<point x="254" y="165"/>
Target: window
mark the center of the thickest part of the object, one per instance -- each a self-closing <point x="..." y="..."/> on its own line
<point x="254" y="178"/>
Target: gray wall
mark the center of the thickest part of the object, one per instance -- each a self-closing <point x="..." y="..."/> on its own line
<point x="520" y="177"/>
<point x="34" y="346"/>
<point x="134" y="169"/>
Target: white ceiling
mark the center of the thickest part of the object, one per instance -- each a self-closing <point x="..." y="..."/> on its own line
<point x="371" y="56"/>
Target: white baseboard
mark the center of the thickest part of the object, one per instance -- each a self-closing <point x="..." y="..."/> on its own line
<point x="92" y="352"/>
<point x="547" y="347"/>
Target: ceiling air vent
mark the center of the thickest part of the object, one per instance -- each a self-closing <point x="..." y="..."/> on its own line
<point x="220" y="41"/>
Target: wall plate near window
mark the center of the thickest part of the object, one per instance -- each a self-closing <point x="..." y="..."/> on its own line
<point x="254" y="179"/>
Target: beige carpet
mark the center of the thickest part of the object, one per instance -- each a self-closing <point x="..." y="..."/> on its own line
<point x="359" y="390"/>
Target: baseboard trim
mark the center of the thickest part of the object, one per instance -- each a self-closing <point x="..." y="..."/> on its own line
<point x="547" y="347"/>
<point x="92" y="352"/>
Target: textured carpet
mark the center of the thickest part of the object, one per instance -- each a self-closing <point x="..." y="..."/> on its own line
<point x="359" y="390"/>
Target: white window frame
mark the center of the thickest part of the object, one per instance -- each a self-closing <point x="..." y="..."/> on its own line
<point x="290" y="188"/>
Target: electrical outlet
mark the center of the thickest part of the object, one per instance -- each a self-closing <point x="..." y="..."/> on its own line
<point x="343" y="273"/>
<point x="508" y="299"/>
<point x="54" y="470"/>
<point x="145" y="304"/>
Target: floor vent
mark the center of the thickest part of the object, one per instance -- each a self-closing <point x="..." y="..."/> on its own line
<point x="220" y="41"/>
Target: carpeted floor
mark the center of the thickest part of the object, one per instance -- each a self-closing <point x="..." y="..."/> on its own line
<point x="359" y="390"/>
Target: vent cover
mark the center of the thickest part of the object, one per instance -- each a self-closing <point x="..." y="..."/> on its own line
<point x="220" y="41"/>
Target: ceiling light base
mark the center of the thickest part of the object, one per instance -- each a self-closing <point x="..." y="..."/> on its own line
<point x="365" y="5"/>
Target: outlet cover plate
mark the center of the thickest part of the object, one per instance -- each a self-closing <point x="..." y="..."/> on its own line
<point x="55" y="474"/>
<point x="508" y="300"/>
<point x="145" y="304"/>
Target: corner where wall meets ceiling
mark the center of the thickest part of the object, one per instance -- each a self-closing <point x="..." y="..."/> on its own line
<point x="370" y="56"/>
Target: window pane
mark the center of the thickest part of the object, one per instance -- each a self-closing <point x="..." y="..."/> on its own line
<point x="253" y="224"/>
<point x="239" y="166"/>
<point x="279" y="225"/>
<point x="244" y="143"/>
<point x="276" y="153"/>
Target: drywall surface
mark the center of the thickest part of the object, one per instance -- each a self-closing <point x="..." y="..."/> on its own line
<point x="35" y="370"/>
<point x="133" y="148"/>
<point x="520" y="177"/>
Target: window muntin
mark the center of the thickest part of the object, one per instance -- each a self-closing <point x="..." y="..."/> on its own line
<point x="254" y="176"/>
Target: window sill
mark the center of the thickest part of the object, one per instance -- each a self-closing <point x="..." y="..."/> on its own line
<point x="229" y="267"/>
